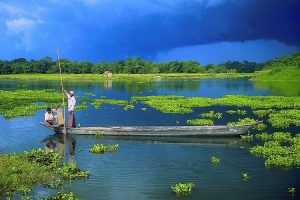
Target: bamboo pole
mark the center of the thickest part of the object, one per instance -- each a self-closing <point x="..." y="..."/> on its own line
<point x="62" y="88"/>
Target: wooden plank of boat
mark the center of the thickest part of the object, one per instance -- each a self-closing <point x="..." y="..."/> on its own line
<point x="158" y="130"/>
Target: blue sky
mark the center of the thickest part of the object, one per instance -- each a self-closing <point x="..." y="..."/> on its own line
<point x="209" y="31"/>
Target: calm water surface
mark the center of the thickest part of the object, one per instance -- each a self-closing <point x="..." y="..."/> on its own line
<point x="145" y="168"/>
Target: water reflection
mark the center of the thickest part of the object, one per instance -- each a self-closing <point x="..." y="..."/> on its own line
<point x="234" y="142"/>
<point x="280" y="87"/>
<point x="58" y="143"/>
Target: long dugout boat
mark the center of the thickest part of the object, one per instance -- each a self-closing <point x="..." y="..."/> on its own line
<point x="182" y="131"/>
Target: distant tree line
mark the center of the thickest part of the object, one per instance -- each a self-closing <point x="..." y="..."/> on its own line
<point x="128" y="66"/>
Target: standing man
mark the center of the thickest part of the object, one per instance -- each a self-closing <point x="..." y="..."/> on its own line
<point x="71" y="108"/>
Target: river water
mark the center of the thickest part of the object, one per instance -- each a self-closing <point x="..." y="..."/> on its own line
<point x="145" y="168"/>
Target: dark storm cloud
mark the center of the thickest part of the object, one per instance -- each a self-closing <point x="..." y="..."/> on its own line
<point x="104" y="29"/>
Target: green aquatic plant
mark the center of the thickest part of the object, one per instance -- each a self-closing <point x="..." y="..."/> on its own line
<point x="238" y="112"/>
<point x="200" y="122"/>
<point x="84" y="100"/>
<point x="54" y="183"/>
<point x="21" y="103"/>
<point x="102" y="149"/>
<point x="144" y="109"/>
<point x="241" y="122"/>
<point x="284" y="118"/>
<point x="61" y="196"/>
<point x="279" y="150"/>
<point x="245" y="176"/>
<point x="183" y="189"/>
<point x="19" y="172"/>
<point x="247" y="138"/>
<point x="103" y="100"/>
<point x="215" y="160"/>
<point x="181" y="104"/>
<point x="71" y="171"/>
<point x="260" y="127"/>
<point x="263" y="112"/>
<point x="264" y="136"/>
<point x="43" y="157"/>
<point x="81" y="107"/>
<point x="292" y="191"/>
<point x="128" y="107"/>
<point x="211" y="114"/>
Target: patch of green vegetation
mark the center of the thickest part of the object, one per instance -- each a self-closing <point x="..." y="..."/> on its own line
<point x="144" y="109"/>
<point x="98" y="102"/>
<point x="245" y="176"/>
<point x="238" y="112"/>
<point x="292" y="191"/>
<point x="71" y="171"/>
<point x="279" y="150"/>
<point x="247" y="138"/>
<point x="120" y="77"/>
<point x="54" y="184"/>
<point x="215" y="160"/>
<point x="183" y="189"/>
<point x="102" y="149"/>
<point x="20" y="172"/>
<point x="211" y="114"/>
<point x="20" y="103"/>
<point x="128" y="107"/>
<point x="260" y="127"/>
<point x="264" y="136"/>
<point x="285" y="68"/>
<point x="62" y="196"/>
<point x="181" y="104"/>
<point x="200" y="122"/>
<point x="285" y="118"/>
<point x="242" y="122"/>
<point x="262" y="112"/>
<point x="43" y="157"/>
<point x="81" y="107"/>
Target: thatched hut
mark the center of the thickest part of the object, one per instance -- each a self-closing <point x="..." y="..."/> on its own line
<point x="108" y="74"/>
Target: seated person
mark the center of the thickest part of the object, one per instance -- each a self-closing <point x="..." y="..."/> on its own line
<point x="49" y="117"/>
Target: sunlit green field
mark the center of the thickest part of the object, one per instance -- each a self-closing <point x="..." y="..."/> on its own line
<point x="120" y="77"/>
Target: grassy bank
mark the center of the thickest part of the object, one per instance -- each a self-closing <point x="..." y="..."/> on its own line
<point x="120" y="77"/>
<point x="286" y="68"/>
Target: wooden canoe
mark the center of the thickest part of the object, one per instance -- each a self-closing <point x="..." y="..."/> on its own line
<point x="183" y="131"/>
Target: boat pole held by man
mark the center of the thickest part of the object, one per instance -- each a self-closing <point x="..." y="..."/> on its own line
<point x="71" y="109"/>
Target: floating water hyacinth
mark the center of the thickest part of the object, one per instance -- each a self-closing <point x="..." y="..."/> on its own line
<point x="211" y="114"/>
<point x="215" y="160"/>
<point x="279" y="150"/>
<point x="247" y="138"/>
<point x="102" y="149"/>
<point x="200" y="122"/>
<point x="238" y="111"/>
<point x="245" y="176"/>
<point x="183" y="189"/>
<point x="241" y="122"/>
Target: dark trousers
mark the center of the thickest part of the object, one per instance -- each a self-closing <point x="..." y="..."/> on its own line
<point x="71" y="120"/>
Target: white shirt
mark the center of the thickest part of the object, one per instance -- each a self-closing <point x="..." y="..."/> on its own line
<point x="71" y="102"/>
<point x="49" y="116"/>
